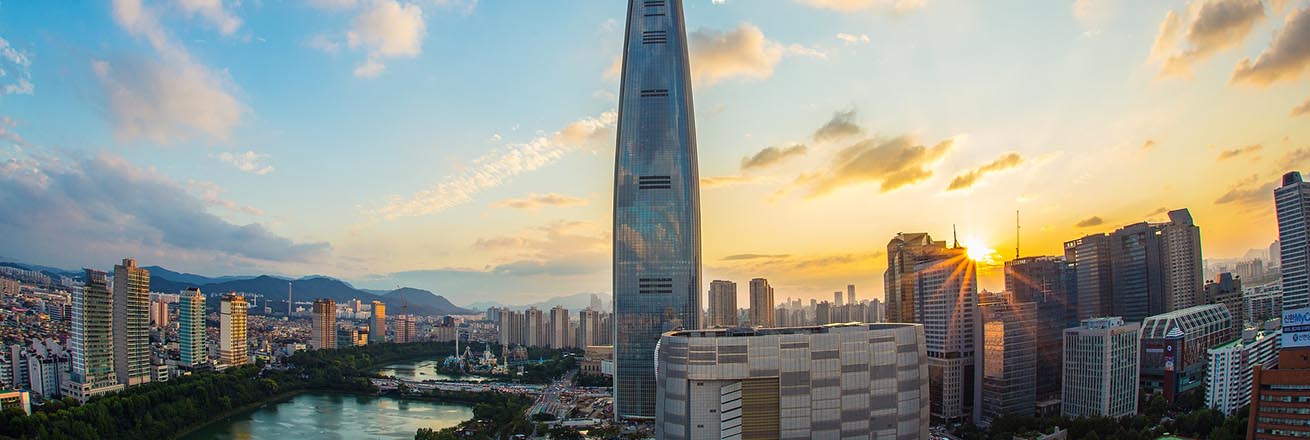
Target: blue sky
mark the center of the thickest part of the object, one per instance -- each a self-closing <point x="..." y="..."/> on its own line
<point x="467" y="147"/>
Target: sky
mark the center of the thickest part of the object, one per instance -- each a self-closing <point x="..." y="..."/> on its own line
<point x="467" y="147"/>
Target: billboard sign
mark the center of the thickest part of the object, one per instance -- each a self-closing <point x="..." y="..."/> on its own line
<point x="1296" y="328"/>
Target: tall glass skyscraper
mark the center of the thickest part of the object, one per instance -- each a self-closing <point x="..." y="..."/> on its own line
<point x="656" y="201"/>
<point x="1293" y="205"/>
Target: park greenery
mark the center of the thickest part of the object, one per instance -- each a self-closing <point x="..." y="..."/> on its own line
<point x="1187" y="418"/>
<point x="170" y="409"/>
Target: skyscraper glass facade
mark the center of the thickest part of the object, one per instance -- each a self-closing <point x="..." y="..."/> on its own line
<point x="656" y="201"/>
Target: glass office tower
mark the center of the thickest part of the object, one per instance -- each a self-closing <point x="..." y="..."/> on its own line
<point x="656" y="201"/>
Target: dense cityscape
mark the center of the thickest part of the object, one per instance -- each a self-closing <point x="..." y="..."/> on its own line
<point x="1133" y="332"/>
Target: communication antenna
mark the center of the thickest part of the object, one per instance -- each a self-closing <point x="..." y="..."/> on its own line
<point x="955" y="236"/>
<point x="1016" y="234"/>
<point x="288" y="300"/>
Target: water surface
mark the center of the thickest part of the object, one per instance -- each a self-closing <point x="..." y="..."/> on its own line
<point x="320" y="415"/>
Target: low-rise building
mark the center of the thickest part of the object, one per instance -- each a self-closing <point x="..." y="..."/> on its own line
<point x="1230" y="366"/>
<point x="1174" y="345"/>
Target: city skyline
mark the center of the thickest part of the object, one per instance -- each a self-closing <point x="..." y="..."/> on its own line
<point x="269" y="178"/>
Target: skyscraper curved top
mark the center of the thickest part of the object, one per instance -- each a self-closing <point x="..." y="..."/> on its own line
<point x="656" y="201"/>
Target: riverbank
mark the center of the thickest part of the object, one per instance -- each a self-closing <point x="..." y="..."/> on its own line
<point x="249" y="407"/>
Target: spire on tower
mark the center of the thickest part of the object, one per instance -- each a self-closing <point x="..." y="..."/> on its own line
<point x="955" y="236"/>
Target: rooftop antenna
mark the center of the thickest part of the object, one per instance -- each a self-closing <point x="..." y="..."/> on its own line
<point x="955" y="236"/>
<point x="1016" y="234"/>
<point x="288" y="300"/>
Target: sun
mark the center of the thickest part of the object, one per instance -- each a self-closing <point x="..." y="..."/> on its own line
<point x="978" y="250"/>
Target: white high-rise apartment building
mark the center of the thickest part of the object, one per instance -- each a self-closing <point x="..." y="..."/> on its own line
<point x="131" y="323"/>
<point x="834" y="381"/>
<point x="1229" y="367"/>
<point x="1292" y="202"/>
<point x="1100" y="368"/>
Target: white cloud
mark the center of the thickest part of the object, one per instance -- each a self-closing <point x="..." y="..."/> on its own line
<point x="897" y="6"/>
<point x="494" y="168"/>
<point x="1285" y="59"/>
<point x="323" y="43"/>
<point x="740" y="52"/>
<point x="1215" y="26"/>
<point x="211" y="194"/>
<point x="247" y="162"/>
<point x="168" y="98"/>
<point x="853" y="39"/>
<point x="15" y="70"/>
<point x="215" y="12"/>
<point x="370" y="69"/>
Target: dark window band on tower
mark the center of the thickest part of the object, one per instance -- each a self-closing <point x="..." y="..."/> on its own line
<point x="647" y="93"/>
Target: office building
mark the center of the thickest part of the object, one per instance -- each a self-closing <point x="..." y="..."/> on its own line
<point x="823" y="313"/>
<point x="1100" y="369"/>
<point x="1292" y="202"/>
<point x="191" y="329"/>
<point x="1009" y="358"/>
<point x="1227" y="290"/>
<point x="657" y="258"/>
<point x="1089" y="258"/>
<point x="723" y="304"/>
<point x="1136" y="269"/>
<point x="1280" y="395"/>
<point x="1275" y="254"/>
<point x="836" y="381"/>
<point x="1174" y="345"/>
<point x="559" y="334"/>
<point x="131" y="323"/>
<point x="92" y="340"/>
<point x="850" y="294"/>
<point x="761" y="313"/>
<point x="874" y="313"/>
<point x="1229" y="367"/>
<point x="323" y="325"/>
<point x="904" y="253"/>
<point x="377" y="323"/>
<point x="946" y="290"/>
<point x="1047" y="282"/>
<point x="232" y="348"/>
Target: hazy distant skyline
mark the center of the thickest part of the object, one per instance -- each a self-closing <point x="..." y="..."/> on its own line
<point x="467" y="148"/>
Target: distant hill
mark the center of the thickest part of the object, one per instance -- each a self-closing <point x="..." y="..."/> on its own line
<point x="156" y="271"/>
<point x="305" y="289"/>
<point x="419" y="297"/>
<point x="575" y="302"/>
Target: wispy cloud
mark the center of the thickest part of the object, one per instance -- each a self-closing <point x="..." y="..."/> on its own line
<point x="1089" y="222"/>
<point x="742" y="52"/>
<point x="721" y="181"/>
<point x="895" y="6"/>
<point x="1295" y="159"/>
<point x="214" y="12"/>
<point x="739" y="257"/>
<point x="1240" y="151"/>
<point x="7" y="132"/>
<point x="535" y="202"/>
<point x="105" y="206"/>
<point x="853" y="39"/>
<point x="247" y="162"/>
<point x="772" y="156"/>
<point x="1302" y="109"/>
<point x="381" y="30"/>
<point x="1216" y="26"/>
<point x="841" y="126"/>
<point x="893" y="163"/>
<point x="1286" y="58"/>
<point x="1148" y="145"/>
<point x="166" y="99"/>
<point x="969" y="178"/>
<point x="494" y="168"/>
<point x="1248" y="191"/>
<point x="15" y="70"/>
<point x="211" y="194"/>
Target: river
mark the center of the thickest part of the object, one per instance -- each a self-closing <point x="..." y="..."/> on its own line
<point x="325" y="415"/>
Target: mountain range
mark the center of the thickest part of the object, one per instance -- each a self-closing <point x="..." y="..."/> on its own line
<point x="419" y="301"/>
